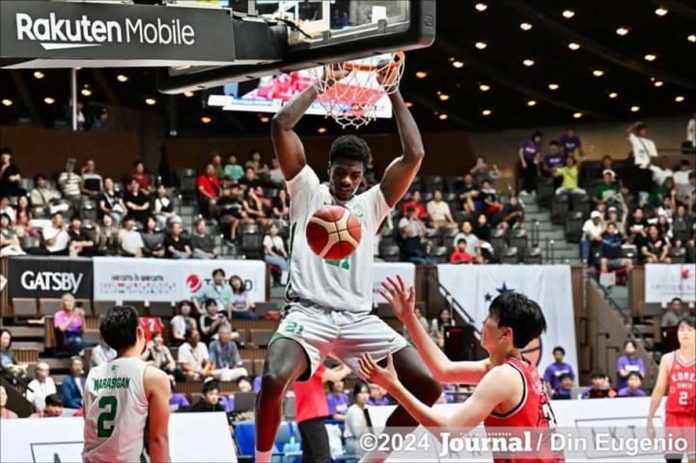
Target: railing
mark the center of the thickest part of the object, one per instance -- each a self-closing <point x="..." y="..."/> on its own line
<point x="626" y="316"/>
<point x="454" y="305"/>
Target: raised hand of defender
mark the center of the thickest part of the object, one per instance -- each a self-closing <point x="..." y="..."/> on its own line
<point x="385" y="377"/>
<point x="401" y="299"/>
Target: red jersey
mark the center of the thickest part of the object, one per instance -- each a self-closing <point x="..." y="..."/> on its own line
<point x="533" y="412"/>
<point x="211" y="185"/>
<point x="150" y="326"/>
<point x="310" y="399"/>
<point x="681" y="387"/>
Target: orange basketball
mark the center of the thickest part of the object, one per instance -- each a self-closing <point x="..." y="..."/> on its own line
<point x="333" y="232"/>
<point x="532" y="351"/>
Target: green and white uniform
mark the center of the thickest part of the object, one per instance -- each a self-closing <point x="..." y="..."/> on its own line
<point x="329" y="302"/>
<point x="116" y="412"/>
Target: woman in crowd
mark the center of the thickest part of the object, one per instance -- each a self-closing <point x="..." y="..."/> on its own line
<point x="356" y="419"/>
<point x="656" y="248"/>
<point x="255" y="162"/>
<point x="163" y="206"/>
<point x="437" y="327"/>
<point x="111" y="203"/>
<point x="242" y="306"/>
<point x="159" y="356"/>
<point x="281" y="208"/>
<point x="141" y="175"/>
<point x="153" y="239"/>
<point x="182" y="323"/>
<point x="628" y="363"/>
<point x="9" y="368"/>
<point x="107" y="237"/>
<point x="9" y="242"/>
<point x="23" y="216"/>
<point x="275" y="253"/>
<point x="5" y="413"/>
<point x="253" y="206"/>
<point x="337" y="400"/>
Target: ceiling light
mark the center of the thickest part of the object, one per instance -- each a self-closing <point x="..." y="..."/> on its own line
<point x="321" y="130"/>
<point x="679" y="99"/>
<point x="206" y="119"/>
<point x="38" y="75"/>
<point x="444" y="97"/>
<point x="553" y="86"/>
<point x="265" y="119"/>
<point x="421" y="74"/>
<point x="577" y="115"/>
<point x="484" y="87"/>
<point x="481" y="45"/>
<point x="531" y="103"/>
<point x="458" y="64"/>
<point x="574" y="46"/>
<point x="481" y="7"/>
<point x="409" y="104"/>
<point x="568" y="14"/>
<point x="658" y="83"/>
<point x="526" y="26"/>
<point x="442" y="117"/>
<point x="635" y="109"/>
<point x="49" y="100"/>
<point x="650" y="57"/>
<point x="7" y="102"/>
<point x="122" y="78"/>
<point x="486" y="112"/>
<point x="598" y="73"/>
<point x="613" y="95"/>
<point x="661" y="11"/>
<point x="86" y="92"/>
<point x="189" y="94"/>
<point x="528" y="62"/>
<point x="150" y="101"/>
<point x="622" y="31"/>
<point x="691" y="38"/>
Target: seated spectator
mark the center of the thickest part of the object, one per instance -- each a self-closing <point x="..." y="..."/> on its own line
<point x="232" y="169"/>
<point x="208" y="191"/>
<point x="656" y="248"/>
<point x="55" y="237"/>
<point x="489" y="198"/>
<point x="412" y="220"/>
<point x="638" y="227"/>
<point x="378" y="395"/>
<point x="512" y="215"/>
<point x="9" y="241"/>
<point x="9" y="175"/>
<point x="163" y="207"/>
<point x="7" y="209"/>
<point x="250" y="179"/>
<point x="281" y="207"/>
<point x="70" y="323"/>
<point x="102" y="353"/>
<point x="216" y="161"/>
<point x="224" y="355"/>
<point x="73" y="385"/>
<point x="661" y="172"/>
<point x="627" y="364"/>
<point x="178" y="401"/>
<point x="193" y="357"/>
<point x="141" y="176"/>
<point x="256" y="162"/>
<point x="202" y="242"/>
<point x="672" y="314"/>
<point x="529" y="152"/>
<point x="600" y="387"/>
<point x="439" y="212"/>
<point x="182" y="323"/>
<point x="41" y="386"/>
<point x="111" y="203"/>
<point x="42" y="195"/>
<point x="553" y="372"/>
<point x="421" y="319"/>
<point x="607" y="190"/>
<point x="91" y="180"/>
<point x="416" y="202"/>
<point x="242" y="305"/>
<point x="473" y="244"/>
<point x="210" y="401"/>
<point x="337" y="400"/>
<point x="159" y="356"/>
<point x="80" y="242"/>
<point x="137" y="202"/>
<point x="481" y="171"/>
<point x="23" y="217"/>
<point x="460" y="255"/>
<point x="53" y="409"/>
<point x="412" y="248"/>
<point x="554" y="159"/>
<point x="569" y="173"/>
<point x="175" y="245"/>
<point x="216" y="290"/>
<point x="611" y="257"/>
<point x="681" y="179"/>
<point x="230" y="209"/>
<point x="592" y="231"/>
<point x="131" y="242"/>
<point x="9" y="368"/>
<point x="275" y="174"/>
<point x="275" y="253"/>
<point x="565" y="387"/>
<point x="254" y="208"/>
<point x="211" y="321"/>
<point x="469" y="195"/>
<point x="437" y="327"/>
<point x="107" y="238"/>
<point x="482" y="229"/>
<point x="356" y="420"/>
<point x="570" y="143"/>
<point x="153" y="239"/>
<point x="620" y="222"/>
<point x="682" y="227"/>
<point x="5" y="413"/>
<point x="243" y="386"/>
<point x="634" y="386"/>
<point x="70" y="183"/>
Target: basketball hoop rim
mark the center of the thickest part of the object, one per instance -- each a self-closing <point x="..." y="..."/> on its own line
<point x="397" y="60"/>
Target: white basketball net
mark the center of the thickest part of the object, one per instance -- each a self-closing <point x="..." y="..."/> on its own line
<point x="358" y="98"/>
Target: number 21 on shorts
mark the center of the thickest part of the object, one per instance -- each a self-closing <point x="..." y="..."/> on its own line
<point x="294" y="328"/>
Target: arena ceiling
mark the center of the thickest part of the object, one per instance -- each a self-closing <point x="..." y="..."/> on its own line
<point x="496" y="64"/>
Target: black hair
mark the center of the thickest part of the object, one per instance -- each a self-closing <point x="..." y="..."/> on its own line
<point x="410" y="209"/>
<point x="209" y="302"/>
<point x="632" y="342"/>
<point x="521" y="314"/>
<point x="536" y="134"/>
<point x="675" y="299"/>
<point x="219" y="270"/>
<point x="39" y="176"/>
<point x="689" y="320"/>
<point x="635" y="373"/>
<point x="332" y="384"/>
<point x="557" y="348"/>
<point x="460" y="241"/>
<point x="554" y="143"/>
<point x="640" y="127"/>
<point x="564" y="376"/>
<point x="242" y="378"/>
<point x="54" y="400"/>
<point x="119" y="327"/>
<point x="5" y="330"/>
<point x="6" y="150"/>
<point x="349" y="147"/>
<point x="241" y="289"/>
<point x="597" y="374"/>
<point x="357" y="389"/>
<point x="189" y="333"/>
<point x="9" y="219"/>
<point x="138" y="161"/>
<point x="150" y="217"/>
<point x="209" y="386"/>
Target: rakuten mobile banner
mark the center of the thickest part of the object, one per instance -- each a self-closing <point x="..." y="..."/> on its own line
<point x="44" y="277"/>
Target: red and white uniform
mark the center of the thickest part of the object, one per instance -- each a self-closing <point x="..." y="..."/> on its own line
<point x="532" y="413"/>
<point x="680" y="409"/>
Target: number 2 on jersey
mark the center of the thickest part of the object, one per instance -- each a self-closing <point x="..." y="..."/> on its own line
<point x="105" y="424"/>
<point x="683" y="398"/>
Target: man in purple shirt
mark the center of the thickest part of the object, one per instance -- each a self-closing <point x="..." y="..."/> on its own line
<point x="634" y="386"/>
<point x="554" y="158"/>
<point x="552" y="374"/>
<point x="337" y="400"/>
<point x="571" y="143"/>
<point x="627" y="364"/>
<point x="529" y="152"/>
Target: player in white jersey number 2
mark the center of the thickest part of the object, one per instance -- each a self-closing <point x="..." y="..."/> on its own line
<point x="126" y="401"/>
<point x="329" y="303"/>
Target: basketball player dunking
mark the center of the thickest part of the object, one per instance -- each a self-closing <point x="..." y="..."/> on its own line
<point x="677" y="378"/>
<point x="329" y="303"/>
<point x="509" y="393"/>
<point x="126" y="402"/>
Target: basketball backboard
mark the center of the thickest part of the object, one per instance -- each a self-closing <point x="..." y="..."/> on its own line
<point x="304" y="34"/>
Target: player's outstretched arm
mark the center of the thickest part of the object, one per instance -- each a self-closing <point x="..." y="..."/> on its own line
<point x="403" y="302"/>
<point x="659" y="390"/>
<point x="400" y="173"/>
<point x="157" y="390"/>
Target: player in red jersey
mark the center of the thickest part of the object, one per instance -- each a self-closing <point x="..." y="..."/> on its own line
<point x="677" y="378"/>
<point x="509" y="393"/>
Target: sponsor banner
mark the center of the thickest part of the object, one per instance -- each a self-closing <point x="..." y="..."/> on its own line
<point x="664" y="282"/>
<point x="382" y="270"/>
<point x="80" y="30"/>
<point x="192" y="437"/>
<point x="475" y="286"/>
<point x="45" y="277"/>
<point x="164" y="280"/>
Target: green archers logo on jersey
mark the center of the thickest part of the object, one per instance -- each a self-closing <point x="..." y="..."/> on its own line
<point x="343" y="263"/>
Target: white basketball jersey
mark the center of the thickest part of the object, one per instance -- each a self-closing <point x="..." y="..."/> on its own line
<point x="116" y="412"/>
<point x="338" y="285"/>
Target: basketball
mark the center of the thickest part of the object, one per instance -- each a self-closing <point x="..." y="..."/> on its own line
<point x="333" y="232"/>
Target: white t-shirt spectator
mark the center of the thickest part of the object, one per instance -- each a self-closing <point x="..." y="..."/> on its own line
<point x="691" y="131"/>
<point x="131" y="240"/>
<point x="417" y="226"/>
<point x="681" y="178"/>
<point x="355" y="423"/>
<point x="660" y="174"/>
<point x="10" y="211"/>
<point x="70" y="184"/>
<point x="61" y="238"/>
<point x="275" y="242"/>
<point x="643" y="149"/>
<point x="592" y="230"/>
<point x="194" y="357"/>
<point x="438" y="211"/>
<point x="37" y="392"/>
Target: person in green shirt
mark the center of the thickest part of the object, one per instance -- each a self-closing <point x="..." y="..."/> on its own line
<point x="606" y="189"/>
<point x="232" y="169"/>
<point x="219" y="291"/>
<point x="569" y="173"/>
